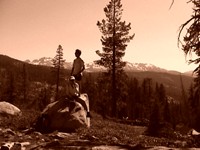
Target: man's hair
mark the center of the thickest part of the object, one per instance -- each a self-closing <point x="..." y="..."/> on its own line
<point x="78" y="51"/>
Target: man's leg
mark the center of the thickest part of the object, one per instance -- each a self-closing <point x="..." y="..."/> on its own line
<point x="80" y="87"/>
<point x="82" y="102"/>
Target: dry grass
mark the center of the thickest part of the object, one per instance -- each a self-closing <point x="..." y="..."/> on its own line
<point x="103" y="132"/>
<point x="111" y="132"/>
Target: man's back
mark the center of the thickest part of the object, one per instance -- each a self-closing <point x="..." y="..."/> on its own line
<point x="78" y="65"/>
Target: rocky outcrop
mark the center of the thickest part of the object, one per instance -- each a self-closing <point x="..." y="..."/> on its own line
<point x="63" y="115"/>
<point x="7" y="109"/>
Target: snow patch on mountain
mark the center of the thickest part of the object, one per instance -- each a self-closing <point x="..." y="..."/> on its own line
<point x="142" y="67"/>
<point x="91" y="67"/>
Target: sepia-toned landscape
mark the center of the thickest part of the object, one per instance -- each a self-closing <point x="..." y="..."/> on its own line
<point x="102" y="96"/>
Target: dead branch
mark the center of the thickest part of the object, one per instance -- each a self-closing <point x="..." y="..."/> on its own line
<point x="171" y="4"/>
<point x="183" y="26"/>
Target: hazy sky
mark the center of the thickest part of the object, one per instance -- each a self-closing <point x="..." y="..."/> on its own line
<point x="31" y="29"/>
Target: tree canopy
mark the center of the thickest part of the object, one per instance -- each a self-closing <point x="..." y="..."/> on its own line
<point x="115" y="34"/>
<point x="191" y="45"/>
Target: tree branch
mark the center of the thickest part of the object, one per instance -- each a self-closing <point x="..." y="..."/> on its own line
<point x="183" y="26"/>
<point x="171" y="4"/>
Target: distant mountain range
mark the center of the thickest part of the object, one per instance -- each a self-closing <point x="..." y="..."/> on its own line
<point x="172" y="80"/>
<point x="91" y="67"/>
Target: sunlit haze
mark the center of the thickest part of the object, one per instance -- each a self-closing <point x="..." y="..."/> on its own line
<point x="31" y="29"/>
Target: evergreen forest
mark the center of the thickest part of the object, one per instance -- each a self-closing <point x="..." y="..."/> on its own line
<point x="142" y="99"/>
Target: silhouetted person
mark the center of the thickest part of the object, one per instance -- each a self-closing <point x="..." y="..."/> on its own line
<point x="78" y="67"/>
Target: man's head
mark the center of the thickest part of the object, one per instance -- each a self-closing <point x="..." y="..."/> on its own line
<point x="78" y="52"/>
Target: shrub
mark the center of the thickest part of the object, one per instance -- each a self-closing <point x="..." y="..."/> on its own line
<point x="21" y="122"/>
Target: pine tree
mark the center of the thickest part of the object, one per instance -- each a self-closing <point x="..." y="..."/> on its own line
<point x="161" y="93"/>
<point x="191" y="41"/>
<point x="9" y="93"/>
<point x="192" y="106"/>
<point x="166" y="112"/>
<point x="134" y="98"/>
<point x="24" y="82"/>
<point x="58" y="63"/>
<point x="191" y="44"/>
<point x="114" y="41"/>
<point x="154" y="121"/>
<point x="147" y="93"/>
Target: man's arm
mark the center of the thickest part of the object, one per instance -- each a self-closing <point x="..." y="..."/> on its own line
<point x="83" y="68"/>
<point x="72" y="71"/>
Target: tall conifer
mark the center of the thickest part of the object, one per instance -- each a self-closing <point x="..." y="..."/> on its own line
<point x="58" y="63"/>
<point x="115" y="36"/>
<point x="191" y="45"/>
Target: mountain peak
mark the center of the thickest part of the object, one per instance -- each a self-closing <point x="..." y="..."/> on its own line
<point x="143" y="67"/>
<point x="91" y="67"/>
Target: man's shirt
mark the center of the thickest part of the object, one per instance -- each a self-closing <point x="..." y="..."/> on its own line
<point x="78" y="65"/>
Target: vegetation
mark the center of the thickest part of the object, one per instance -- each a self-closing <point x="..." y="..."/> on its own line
<point x="137" y="103"/>
<point x="115" y="36"/>
<point x="102" y="132"/>
<point x="191" y="45"/>
<point x="21" y="122"/>
<point x="134" y="100"/>
<point x="139" y="100"/>
<point x="58" y="63"/>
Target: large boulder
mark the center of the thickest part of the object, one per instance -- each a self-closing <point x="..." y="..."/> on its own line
<point x="7" y="109"/>
<point x="63" y="115"/>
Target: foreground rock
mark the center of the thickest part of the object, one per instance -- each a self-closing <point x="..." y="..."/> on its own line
<point x="64" y="115"/>
<point x="7" y="109"/>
